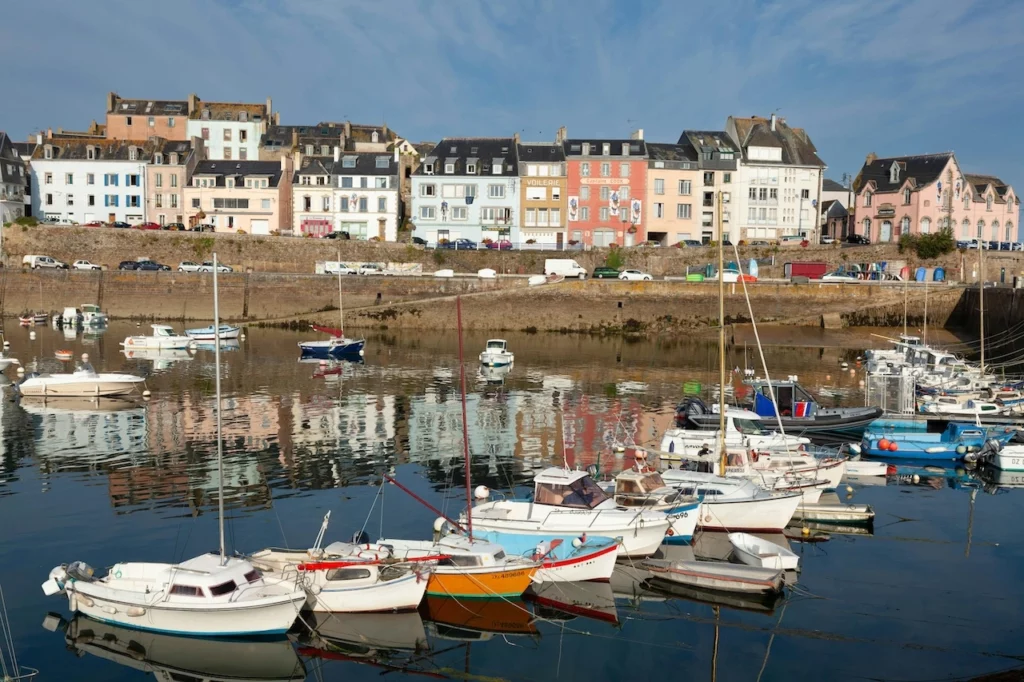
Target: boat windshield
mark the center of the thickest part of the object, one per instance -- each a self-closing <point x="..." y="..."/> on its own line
<point x="583" y="493"/>
<point x="496" y="345"/>
<point x="750" y="427"/>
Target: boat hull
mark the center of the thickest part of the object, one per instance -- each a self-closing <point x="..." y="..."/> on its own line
<point x="594" y="560"/>
<point x="754" y="551"/>
<point x="81" y="389"/>
<point x="325" y="349"/>
<point x="1009" y="462"/>
<point x="758" y="515"/>
<point x="226" y="334"/>
<point x="480" y="583"/>
<point x="400" y="594"/>
<point x="848" y="422"/>
<point x="157" y="343"/>
<point x="718" y="576"/>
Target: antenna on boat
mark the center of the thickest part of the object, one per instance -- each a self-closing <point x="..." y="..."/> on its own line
<point x="220" y="445"/>
<point x="465" y="428"/>
<point x="323" y="529"/>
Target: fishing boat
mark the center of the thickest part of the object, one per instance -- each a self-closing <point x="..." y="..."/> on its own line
<point x="226" y="333"/>
<point x="734" y="503"/>
<point x="718" y="576"/>
<point x="641" y="487"/>
<point x="951" y="405"/>
<point x="496" y="354"/>
<point x="755" y="551"/>
<point x="565" y="505"/>
<point x="211" y="595"/>
<point x="1008" y="457"/>
<point x="786" y="401"/>
<point x="338" y="345"/>
<point x="40" y="318"/>
<point x="697" y="425"/>
<point x="346" y="577"/>
<point x="84" y="382"/>
<point x="162" y="338"/>
<point x="170" y="657"/>
<point x="586" y="558"/>
<point x="957" y="441"/>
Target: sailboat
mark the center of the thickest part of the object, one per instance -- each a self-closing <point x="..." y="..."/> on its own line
<point x="338" y="345"/>
<point x="211" y="595"/>
<point x="468" y="567"/>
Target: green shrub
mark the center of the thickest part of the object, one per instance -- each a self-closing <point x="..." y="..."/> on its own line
<point x="27" y="220"/>
<point x="928" y="246"/>
<point x="615" y="259"/>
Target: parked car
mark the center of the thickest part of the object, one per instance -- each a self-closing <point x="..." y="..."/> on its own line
<point x="840" y="276"/>
<point x="688" y="243"/>
<point x="336" y="235"/>
<point x="147" y="226"/>
<point x="501" y="245"/>
<point x="92" y="223"/>
<point x="188" y="266"/>
<point x="792" y="240"/>
<point x="175" y="226"/>
<point x="605" y="273"/>
<point x="336" y="268"/>
<point x="826" y="239"/>
<point x="759" y="242"/>
<point x="205" y="227"/>
<point x="963" y="244"/>
<point x="419" y="241"/>
<point x="120" y="224"/>
<point x="85" y="265"/>
<point x="462" y="243"/>
<point x="371" y="269"/>
<point x="207" y="266"/>
<point x="635" y="276"/>
<point x="1016" y="246"/>
<point x="128" y="265"/>
<point x="36" y="262"/>
<point x="151" y="266"/>
<point x="858" y="239"/>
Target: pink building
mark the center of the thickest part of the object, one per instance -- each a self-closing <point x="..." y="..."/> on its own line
<point x="923" y="194"/>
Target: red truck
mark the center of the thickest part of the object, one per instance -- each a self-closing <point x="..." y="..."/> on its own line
<point x="808" y="270"/>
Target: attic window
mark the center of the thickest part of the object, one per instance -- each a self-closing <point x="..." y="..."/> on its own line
<point x="449" y="168"/>
<point x="471" y="168"/>
<point x="243" y="116"/>
<point x="325" y="150"/>
<point x="988" y="203"/>
<point x="894" y="172"/>
<point x="309" y="150"/>
<point x="205" y="115"/>
<point x="48" y="152"/>
<point x="625" y="149"/>
<point x="574" y="148"/>
<point x="158" y="159"/>
<point x="229" y="182"/>
<point x="454" y="150"/>
<point x="90" y="153"/>
<point x="174" y="159"/>
<point x="133" y="153"/>
<point x="382" y="161"/>
<point x="375" y="137"/>
<point x="428" y="168"/>
<point x="474" y="150"/>
<point x="606" y="149"/>
<point x="348" y="162"/>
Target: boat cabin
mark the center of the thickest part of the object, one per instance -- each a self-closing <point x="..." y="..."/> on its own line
<point x="163" y="330"/>
<point x="496" y="346"/>
<point x="200" y="578"/>
<point x="694" y="414"/>
<point x="564" y="488"/>
<point x="792" y="399"/>
<point x="643" y="489"/>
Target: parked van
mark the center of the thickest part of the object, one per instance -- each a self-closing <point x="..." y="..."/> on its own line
<point x="36" y="262"/>
<point x="566" y="267"/>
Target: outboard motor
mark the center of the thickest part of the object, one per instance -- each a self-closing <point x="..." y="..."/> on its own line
<point x="690" y="406"/>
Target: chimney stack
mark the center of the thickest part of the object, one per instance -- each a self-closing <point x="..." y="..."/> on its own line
<point x="384" y="136"/>
<point x="277" y="118"/>
<point x="773" y="121"/>
<point x="515" y="137"/>
<point x="270" y="109"/>
<point x="193" y="102"/>
<point x="337" y="153"/>
<point x="49" y="133"/>
<point x="638" y="134"/>
<point x="396" y="153"/>
<point x="870" y="158"/>
<point x="295" y="138"/>
<point x="348" y="129"/>
<point x="111" y="100"/>
<point x="561" y="135"/>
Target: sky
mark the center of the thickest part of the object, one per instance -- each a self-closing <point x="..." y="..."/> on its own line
<point x="892" y="77"/>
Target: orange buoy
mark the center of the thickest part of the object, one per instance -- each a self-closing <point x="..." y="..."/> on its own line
<point x="883" y="444"/>
<point x="893" y="446"/>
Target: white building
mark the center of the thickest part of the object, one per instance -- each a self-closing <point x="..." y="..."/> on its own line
<point x="780" y="176"/>
<point x="357" y="193"/>
<point x="85" y="180"/>
<point x="229" y="130"/>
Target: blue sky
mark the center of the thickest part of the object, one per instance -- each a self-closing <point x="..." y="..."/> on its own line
<point x="889" y="76"/>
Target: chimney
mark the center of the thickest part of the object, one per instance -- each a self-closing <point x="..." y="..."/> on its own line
<point x="343" y="141"/>
<point x="270" y="108"/>
<point x="39" y="138"/>
<point x="111" y="100"/>
<point x="561" y="135"/>
<point x="773" y="121"/>
<point x="295" y="138"/>
<point x="637" y="134"/>
<point x="337" y="153"/>
<point x="384" y="133"/>
<point x="49" y="133"/>
<point x="515" y="137"/>
<point x="396" y="153"/>
<point x="348" y="129"/>
<point x="277" y="118"/>
<point x="870" y="159"/>
<point x="285" y="160"/>
<point x="193" y="102"/>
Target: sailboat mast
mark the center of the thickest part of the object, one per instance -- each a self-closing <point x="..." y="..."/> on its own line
<point x="981" y="300"/>
<point x="721" y="332"/>
<point x="465" y="428"/>
<point x="341" y="307"/>
<point x="220" y="444"/>
<point x="925" y="340"/>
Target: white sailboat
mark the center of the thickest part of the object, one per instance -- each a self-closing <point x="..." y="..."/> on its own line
<point x="211" y="595"/>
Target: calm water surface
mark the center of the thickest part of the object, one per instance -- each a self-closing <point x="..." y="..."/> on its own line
<point x="933" y="594"/>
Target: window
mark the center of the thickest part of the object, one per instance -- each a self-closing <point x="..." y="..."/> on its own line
<point x="683" y="211"/>
<point x="70" y="199"/>
<point x="348" y="574"/>
<point x="47" y="152"/>
<point x="427" y="212"/>
<point x="134" y="201"/>
<point x="584" y="169"/>
<point x="206" y="133"/>
<point x="346" y="183"/>
<point x="659" y="186"/>
<point x="152" y="121"/>
<point x="229" y="183"/>
<point x="623" y="192"/>
<point x="867" y="199"/>
<point x="326" y="203"/>
<point x="584" y="213"/>
<point x="48" y="178"/>
<point x="309" y="150"/>
<point x="158" y="159"/>
<point x="805" y="194"/>
<point x="363" y="204"/>
<point x="449" y="168"/>
<point x="428" y="168"/>
<point x="605" y="192"/>
<point x="69" y="178"/>
<point x="227" y="134"/>
<point x="981" y="228"/>
<point x="243" y="136"/>
<point x="709" y="198"/>
<point x="243" y="153"/>
<point x="536" y="193"/>
<point x="905" y="225"/>
<point x="174" y="179"/>
<point x="158" y="179"/>
<point x="195" y="202"/>
<point x="606" y="170"/>
<point x="425" y="190"/>
<point x="604" y="214"/>
<point x="133" y="153"/>
<point x="659" y="210"/>
<point x="623" y="170"/>
<point x="556" y="192"/>
<point x="363" y="182"/>
<point x="496" y="191"/>
<point x="926" y="225"/>
<point x="458" y="212"/>
<point x="231" y="203"/>
<point x="382" y="205"/>
<point x="995" y="224"/>
<point x="90" y="153"/>
<point x="174" y="200"/>
<point x="965" y="228"/>
<point x="542" y="217"/>
<point x="496" y="168"/>
<point x="49" y="200"/>
<point x="132" y="180"/>
<point x="708" y="219"/>
<point x="159" y="200"/>
<point x="380" y="182"/>
<point x="1009" y="231"/>
<point x="988" y="203"/>
<point x="186" y="590"/>
<point x="585" y="193"/>
<point x="685" y="188"/>
<point x="727" y="177"/>
<point x="321" y="180"/>
<point x="709" y="179"/>
<point x="556" y="217"/>
<point x="531" y="217"/>
<point x="762" y="194"/>
<point x="227" y="152"/>
<point x="223" y="588"/>
<point x="906" y="196"/>
<point x="967" y="200"/>
<point x="170" y="121"/>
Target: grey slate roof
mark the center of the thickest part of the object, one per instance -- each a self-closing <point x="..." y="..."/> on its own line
<point x="832" y="186"/>
<point x="666" y="151"/>
<point x="25" y="148"/>
<point x="797" y="148"/>
<point x="281" y="136"/>
<point x="223" y="169"/>
<point x="574" y="147"/>
<point x="12" y="169"/>
<point x="921" y="170"/>
<point x="981" y="183"/>
<point x="144" y="107"/>
<point x="107" y="150"/>
<point x="541" y="152"/>
<point x="366" y="163"/>
<point x="717" y="140"/>
<point x="486" y="150"/>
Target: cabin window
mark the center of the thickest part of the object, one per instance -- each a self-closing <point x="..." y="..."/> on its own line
<point x="629" y="487"/>
<point x="751" y="426"/>
<point x="223" y="588"/>
<point x="582" y="493"/>
<point x="348" y="574"/>
<point x="460" y="560"/>
<point x="499" y="555"/>
<point x="187" y="590"/>
<point x="252" y="576"/>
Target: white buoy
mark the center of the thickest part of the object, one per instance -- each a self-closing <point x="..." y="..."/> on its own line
<point x="844" y="364"/>
<point x="849" y="488"/>
<point x="7" y="344"/>
<point x="21" y="370"/>
<point x="85" y="357"/>
<point x="439" y="524"/>
<point x="620" y="448"/>
<point x="361" y="352"/>
<point x="482" y="492"/>
<point x="32" y="335"/>
<point x="915" y="478"/>
<point x="860" y="384"/>
<point x="146" y="393"/>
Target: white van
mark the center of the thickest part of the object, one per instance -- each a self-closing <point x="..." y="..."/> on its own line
<point x="566" y="267"/>
<point x="36" y="262"/>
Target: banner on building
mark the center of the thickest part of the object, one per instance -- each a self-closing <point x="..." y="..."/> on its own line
<point x="574" y="209"/>
<point x="635" y="213"/>
<point x="613" y="202"/>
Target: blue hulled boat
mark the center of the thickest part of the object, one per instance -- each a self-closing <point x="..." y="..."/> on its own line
<point x="907" y="439"/>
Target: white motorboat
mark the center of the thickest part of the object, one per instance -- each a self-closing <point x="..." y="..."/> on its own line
<point x="641" y="487"/>
<point x="92" y="316"/>
<point x="496" y="354"/>
<point x="1009" y="457"/>
<point x="719" y="576"/>
<point x="212" y="595"/>
<point x="6" y="362"/>
<point x="227" y="333"/>
<point x="755" y="551"/>
<point x="951" y="405"/>
<point x="567" y="504"/>
<point x="743" y="428"/>
<point x="729" y="504"/>
<point x="347" y="578"/>
<point x="82" y="383"/>
<point x="585" y="558"/>
<point x="861" y="467"/>
<point x="162" y="338"/>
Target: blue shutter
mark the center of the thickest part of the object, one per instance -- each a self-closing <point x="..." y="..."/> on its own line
<point x="113" y="179"/>
<point x="115" y="200"/>
<point x="106" y="179"/>
<point x="106" y="199"/>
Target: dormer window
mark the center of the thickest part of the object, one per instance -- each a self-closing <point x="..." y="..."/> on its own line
<point x="625" y="149"/>
<point x="449" y="168"/>
<point x="243" y="116"/>
<point x="375" y="137"/>
<point x="988" y="203"/>
<point x="325" y="150"/>
<point x="304" y="180"/>
<point x="348" y="162"/>
<point x="894" y="173"/>
<point x="205" y="115"/>
<point x="309" y="150"/>
<point x="586" y="149"/>
<point x="90" y="153"/>
<point x="229" y="183"/>
<point x="48" y="152"/>
<point x="428" y="168"/>
<point x="158" y="159"/>
<point x="174" y="159"/>
<point x="133" y="153"/>
<point x="471" y="168"/>
<point x="906" y="196"/>
<point x="606" y="149"/>
<point x="383" y="161"/>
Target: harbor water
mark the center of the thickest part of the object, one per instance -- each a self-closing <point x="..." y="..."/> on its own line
<point x="931" y="591"/>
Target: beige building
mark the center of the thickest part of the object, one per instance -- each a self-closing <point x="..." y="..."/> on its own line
<point x="673" y="194"/>
<point x="170" y="164"/>
<point x="140" y="119"/>
<point x="543" y="198"/>
<point x="251" y="197"/>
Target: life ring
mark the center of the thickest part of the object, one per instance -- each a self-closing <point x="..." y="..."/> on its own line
<point x="786" y="413"/>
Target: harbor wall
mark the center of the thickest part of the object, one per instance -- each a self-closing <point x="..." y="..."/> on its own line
<point x="1004" y="321"/>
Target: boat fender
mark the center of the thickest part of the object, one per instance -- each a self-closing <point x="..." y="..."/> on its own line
<point x="669" y="532"/>
<point x="86" y="600"/>
<point x="109" y="609"/>
<point x="753" y="455"/>
<point x="135" y="611"/>
<point x="314" y="588"/>
<point x="73" y="602"/>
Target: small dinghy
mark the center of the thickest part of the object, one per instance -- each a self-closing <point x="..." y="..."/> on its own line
<point x="64" y="355"/>
<point x="717" y="575"/>
<point x="227" y="333"/>
<point x="753" y="551"/>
